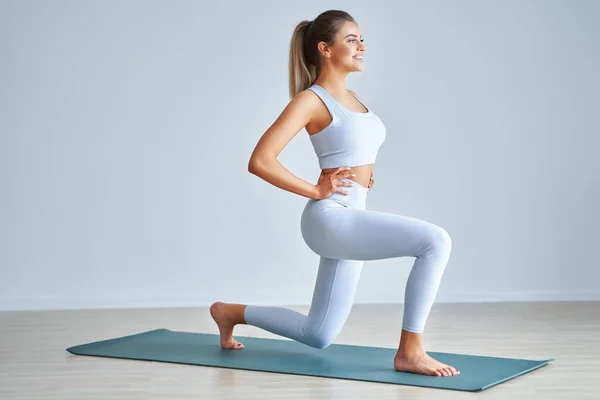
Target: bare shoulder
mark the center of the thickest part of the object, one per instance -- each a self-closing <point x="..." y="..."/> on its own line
<point x="302" y="106"/>
<point x="308" y="98"/>
<point x="296" y="114"/>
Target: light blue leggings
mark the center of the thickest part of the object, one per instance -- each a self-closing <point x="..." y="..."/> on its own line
<point x="345" y="234"/>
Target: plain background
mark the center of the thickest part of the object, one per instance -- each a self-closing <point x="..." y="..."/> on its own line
<point x="126" y="129"/>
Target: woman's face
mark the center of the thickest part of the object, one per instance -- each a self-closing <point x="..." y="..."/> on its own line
<point x="348" y="49"/>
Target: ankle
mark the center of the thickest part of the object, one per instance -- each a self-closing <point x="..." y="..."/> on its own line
<point x="237" y="312"/>
<point x="411" y="343"/>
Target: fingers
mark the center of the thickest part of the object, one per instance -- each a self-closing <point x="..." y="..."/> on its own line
<point x="342" y="170"/>
<point x="345" y="173"/>
<point x="340" y="190"/>
<point x="337" y="188"/>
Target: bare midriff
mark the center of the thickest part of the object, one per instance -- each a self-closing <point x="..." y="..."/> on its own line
<point x="363" y="173"/>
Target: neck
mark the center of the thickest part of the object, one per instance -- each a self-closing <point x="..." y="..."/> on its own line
<point x="333" y="81"/>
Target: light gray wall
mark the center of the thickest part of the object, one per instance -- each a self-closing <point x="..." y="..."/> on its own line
<point x="127" y="128"/>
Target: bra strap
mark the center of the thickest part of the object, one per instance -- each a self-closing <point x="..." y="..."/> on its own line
<point x="331" y="104"/>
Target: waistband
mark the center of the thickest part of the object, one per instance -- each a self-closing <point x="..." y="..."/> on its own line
<point x="356" y="197"/>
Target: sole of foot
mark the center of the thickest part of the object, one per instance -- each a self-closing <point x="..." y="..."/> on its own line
<point x="219" y="313"/>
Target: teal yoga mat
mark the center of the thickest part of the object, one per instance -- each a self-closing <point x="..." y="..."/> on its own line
<point x="374" y="364"/>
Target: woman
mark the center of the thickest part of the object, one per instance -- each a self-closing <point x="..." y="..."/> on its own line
<point x="335" y="224"/>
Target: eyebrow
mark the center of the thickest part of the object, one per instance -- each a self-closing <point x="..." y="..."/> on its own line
<point x="351" y="34"/>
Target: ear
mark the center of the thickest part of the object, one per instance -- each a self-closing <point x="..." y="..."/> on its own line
<point x="323" y="48"/>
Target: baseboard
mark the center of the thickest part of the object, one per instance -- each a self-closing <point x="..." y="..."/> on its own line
<point x="41" y="304"/>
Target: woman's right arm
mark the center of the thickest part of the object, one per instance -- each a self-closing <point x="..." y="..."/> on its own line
<point x="263" y="161"/>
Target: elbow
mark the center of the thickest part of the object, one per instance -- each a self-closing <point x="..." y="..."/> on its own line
<point x="252" y="166"/>
<point x="256" y="164"/>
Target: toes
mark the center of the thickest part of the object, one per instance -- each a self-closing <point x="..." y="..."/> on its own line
<point x="232" y="345"/>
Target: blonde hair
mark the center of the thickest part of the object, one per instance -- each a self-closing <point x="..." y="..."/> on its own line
<point x="305" y="61"/>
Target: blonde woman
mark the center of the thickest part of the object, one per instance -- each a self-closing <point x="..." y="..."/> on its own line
<point x="346" y="136"/>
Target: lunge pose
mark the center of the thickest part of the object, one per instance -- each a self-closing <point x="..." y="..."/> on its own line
<point x="335" y="224"/>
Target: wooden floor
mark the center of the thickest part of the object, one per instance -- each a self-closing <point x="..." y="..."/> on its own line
<point x="34" y="363"/>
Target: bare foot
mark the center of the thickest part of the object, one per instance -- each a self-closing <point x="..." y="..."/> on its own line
<point x="422" y="363"/>
<point x="224" y="321"/>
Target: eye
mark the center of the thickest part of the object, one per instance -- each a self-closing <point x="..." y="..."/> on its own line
<point x="354" y="40"/>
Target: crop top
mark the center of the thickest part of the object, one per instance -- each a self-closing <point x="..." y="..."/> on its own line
<point x="351" y="139"/>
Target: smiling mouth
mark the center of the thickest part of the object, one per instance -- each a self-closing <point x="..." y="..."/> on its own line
<point x="359" y="58"/>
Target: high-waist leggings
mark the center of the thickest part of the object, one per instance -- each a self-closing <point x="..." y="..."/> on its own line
<point x="345" y="234"/>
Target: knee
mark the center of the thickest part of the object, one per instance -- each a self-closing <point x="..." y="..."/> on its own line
<point x="320" y="340"/>
<point x="443" y="239"/>
<point x="439" y="241"/>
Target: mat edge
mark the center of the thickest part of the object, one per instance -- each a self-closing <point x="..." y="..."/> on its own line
<point x="73" y="349"/>
<point x="541" y="363"/>
<point x="269" y="371"/>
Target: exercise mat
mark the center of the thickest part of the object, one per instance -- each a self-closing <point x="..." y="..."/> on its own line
<point x="342" y="361"/>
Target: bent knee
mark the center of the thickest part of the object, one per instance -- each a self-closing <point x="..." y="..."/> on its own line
<point x="320" y="340"/>
<point x="438" y="240"/>
<point x="443" y="238"/>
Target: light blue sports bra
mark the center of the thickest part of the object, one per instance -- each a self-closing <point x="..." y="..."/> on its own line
<point x="351" y="139"/>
